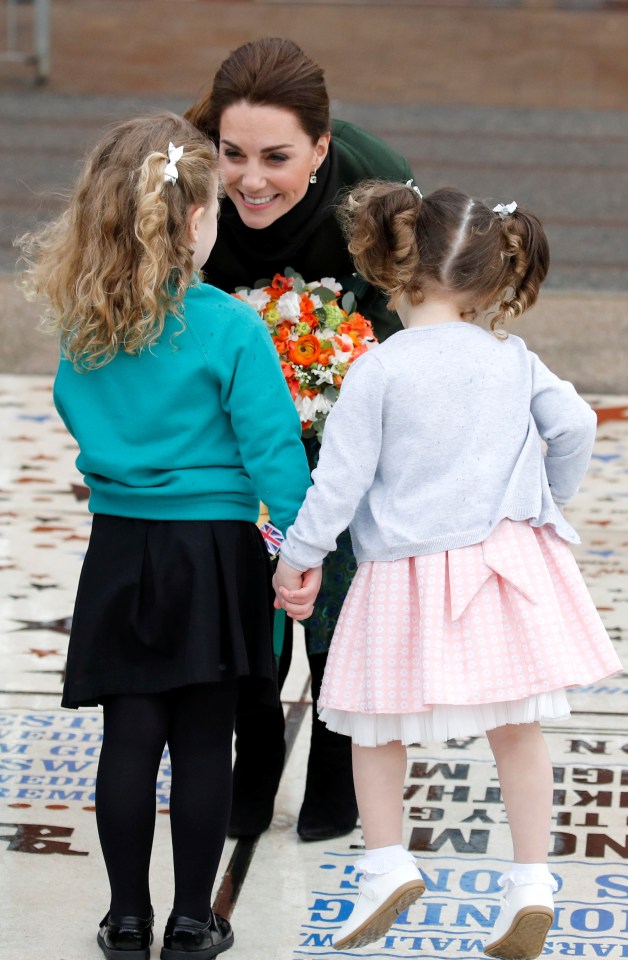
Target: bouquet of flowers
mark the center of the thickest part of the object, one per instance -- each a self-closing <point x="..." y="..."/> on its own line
<point x="317" y="335"/>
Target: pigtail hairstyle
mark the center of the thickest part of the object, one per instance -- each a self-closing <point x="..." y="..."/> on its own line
<point x="379" y="220"/>
<point x="119" y="259"/>
<point x="403" y="243"/>
<point x="527" y="251"/>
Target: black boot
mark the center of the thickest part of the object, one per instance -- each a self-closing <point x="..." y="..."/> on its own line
<point x="329" y="807"/>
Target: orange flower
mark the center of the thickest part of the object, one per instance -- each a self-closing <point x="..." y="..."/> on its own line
<point x="307" y="305"/>
<point x="293" y="384"/>
<point x="341" y="343"/>
<point x="356" y="326"/>
<point x="327" y="352"/>
<point x="305" y="351"/>
<point x="281" y="346"/>
<point x="280" y="283"/>
<point x="361" y="323"/>
<point x="283" y="331"/>
<point x="359" y="349"/>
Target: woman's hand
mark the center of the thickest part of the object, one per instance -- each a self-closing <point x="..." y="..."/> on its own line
<point x="296" y="591"/>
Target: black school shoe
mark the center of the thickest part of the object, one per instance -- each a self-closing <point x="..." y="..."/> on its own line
<point x="187" y="939"/>
<point x="126" y="938"/>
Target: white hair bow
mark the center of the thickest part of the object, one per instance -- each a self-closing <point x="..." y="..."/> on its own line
<point x="413" y="186"/>
<point x="504" y="210"/>
<point x="171" y="174"/>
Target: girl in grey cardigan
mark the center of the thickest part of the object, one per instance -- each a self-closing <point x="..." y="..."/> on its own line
<point x="449" y="454"/>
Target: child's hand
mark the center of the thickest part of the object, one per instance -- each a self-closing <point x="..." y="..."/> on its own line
<point x="296" y="592"/>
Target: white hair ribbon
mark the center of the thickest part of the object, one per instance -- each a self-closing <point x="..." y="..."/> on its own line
<point x="504" y="210"/>
<point x="413" y="186"/>
<point x="171" y="174"/>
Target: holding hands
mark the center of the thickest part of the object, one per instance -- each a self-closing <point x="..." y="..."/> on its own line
<point x="296" y="591"/>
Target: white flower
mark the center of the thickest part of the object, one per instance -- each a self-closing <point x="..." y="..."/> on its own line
<point x="289" y="306"/>
<point x="316" y="300"/>
<point x="332" y="284"/>
<point x="255" y="298"/>
<point x="310" y="407"/>
<point x="324" y="375"/>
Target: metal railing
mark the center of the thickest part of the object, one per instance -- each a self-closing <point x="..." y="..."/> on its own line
<point x="39" y="55"/>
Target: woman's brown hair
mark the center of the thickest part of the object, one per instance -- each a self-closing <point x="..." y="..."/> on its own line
<point x="271" y="72"/>
<point x="402" y="242"/>
<point x="119" y="259"/>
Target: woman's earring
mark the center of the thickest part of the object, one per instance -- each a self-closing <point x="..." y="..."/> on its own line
<point x="313" y="176"/>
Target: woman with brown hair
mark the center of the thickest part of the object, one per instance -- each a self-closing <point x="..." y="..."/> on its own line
<point x="284" y="163"/>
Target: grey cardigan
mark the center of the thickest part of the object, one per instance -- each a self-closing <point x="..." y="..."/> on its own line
<point x="436" y="437"/>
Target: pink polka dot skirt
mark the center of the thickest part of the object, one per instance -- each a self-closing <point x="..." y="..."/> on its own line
<point x="453" y="644"/>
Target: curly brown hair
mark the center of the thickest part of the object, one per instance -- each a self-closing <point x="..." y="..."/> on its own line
<point x="119" y="258"/>
<point x="402" y="242"/>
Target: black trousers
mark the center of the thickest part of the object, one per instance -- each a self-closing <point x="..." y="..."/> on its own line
<point x="329" y="797"/>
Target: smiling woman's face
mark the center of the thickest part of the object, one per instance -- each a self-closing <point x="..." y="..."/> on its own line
<point x="266" y="159"/>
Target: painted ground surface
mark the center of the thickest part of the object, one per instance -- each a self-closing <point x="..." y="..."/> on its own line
<point x="286" y="898"/>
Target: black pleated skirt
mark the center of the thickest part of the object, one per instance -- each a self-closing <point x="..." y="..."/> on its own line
<point x="166" y="603"/>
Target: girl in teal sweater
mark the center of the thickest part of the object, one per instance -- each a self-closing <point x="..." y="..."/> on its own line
<point x="174" y="393"/>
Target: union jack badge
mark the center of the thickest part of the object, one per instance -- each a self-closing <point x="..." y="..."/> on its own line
<point x="273" y="538"/>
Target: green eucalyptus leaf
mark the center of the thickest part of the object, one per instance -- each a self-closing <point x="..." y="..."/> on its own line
<point x="348" y="302"/>
<point x="324" y="294"/>
<point x="261" y="283"/>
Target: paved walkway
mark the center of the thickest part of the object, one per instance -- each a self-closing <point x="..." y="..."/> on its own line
<point x="285" y="897"/>
<point x="511" y="98"/>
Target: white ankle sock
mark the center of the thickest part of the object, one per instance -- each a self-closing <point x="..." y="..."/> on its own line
<point x="381" y="860"/>
<point x="521" y="873"/>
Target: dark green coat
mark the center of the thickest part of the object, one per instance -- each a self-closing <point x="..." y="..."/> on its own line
<point x="308" y="238"/>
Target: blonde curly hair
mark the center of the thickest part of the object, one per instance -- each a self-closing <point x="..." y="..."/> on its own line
<point x="402" y="242"/>
<point x="119" y="259"/>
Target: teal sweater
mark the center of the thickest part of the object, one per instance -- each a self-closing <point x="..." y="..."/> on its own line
<point x="200" y="427"/>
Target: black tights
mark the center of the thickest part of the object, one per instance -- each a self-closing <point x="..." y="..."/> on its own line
<point x="197" y="724"/>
